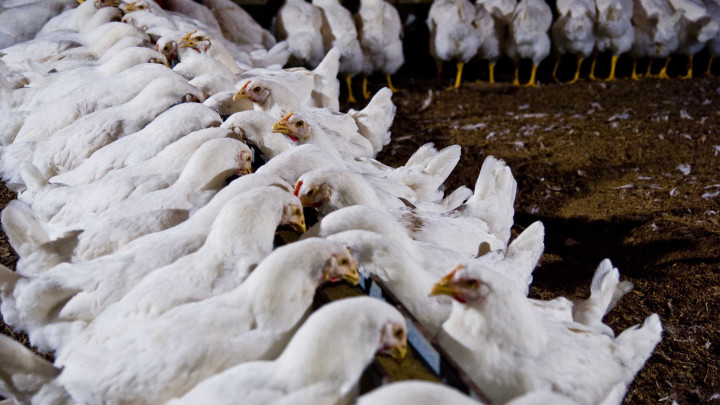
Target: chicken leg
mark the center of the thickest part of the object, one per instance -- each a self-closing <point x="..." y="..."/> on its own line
<point x="516" y="81"/>
<point x="491" y="66"/>
<point x="365" y="92"/>
<point x="648" y="73"/>
<point x="390" y="85"/>
<point x="591" y="76"/>
<point x="613" y="64"/>
<point x="708" y="71"/>
<point x="458" y="77"/>
<point x="577" y="70"/>
<point x="532" y="82"/>
<point x="351" y="98"/>
<point x="554" y="73"/>
<point x="663" y="72"/>
<point x="689" y="74"/>
<point x="634" y="75"/>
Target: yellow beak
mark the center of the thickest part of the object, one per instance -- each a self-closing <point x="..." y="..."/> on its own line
<point x="298" y="224"/>
<point x="241" y="93"/>
<point x="444" y="286"/>
<point x="282" y="126"/>
<point x="353" y="278"/>
<point x="399" y="352"/>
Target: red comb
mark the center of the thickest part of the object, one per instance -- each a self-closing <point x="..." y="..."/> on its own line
<point x="297" y="187"/>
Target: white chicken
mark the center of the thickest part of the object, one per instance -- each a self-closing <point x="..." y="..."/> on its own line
<point x="697" y="27"/>
<point x="22" y="22"/>
<point x="69" y="147"/>
<point x="143" y="145"/>
<point x="485" y="217"/>
<point x="508" y="353"/>
<point x="65" y="206"/>
<point x="409" y="270"/>
<point x="573" y="33"/>
<point x="296" y="23"/>
<point x="251" y="322"/>
<point x="492" y="17"/>
<point x="614" y="32"/>
<point x="453" y="34"/>
<point x="656" y="32"/>
<point x="238" y="26"/>
<point x="82" y="290"/>
<point x="321" y="364"/>
<point x="339" y="31"/>
<point x="380" y="33"/>
<point x="528" y="36"/>
<point x="221" y="264"/>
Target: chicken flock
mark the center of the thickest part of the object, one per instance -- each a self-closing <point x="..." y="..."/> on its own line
<point x="150" y="199"/>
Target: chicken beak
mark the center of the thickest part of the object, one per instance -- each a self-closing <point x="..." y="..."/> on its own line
<point x="444" y="286"/>
<point x="283" y="126"/>
<point x="241" y="93"/>
<point x="244" y="170"/>
<point x="352" y="276"/>
<point x="399" y="352"/>
<point x="186" y="43"/>
<point x="298" y="224"/>
<point x="130" y="7"/>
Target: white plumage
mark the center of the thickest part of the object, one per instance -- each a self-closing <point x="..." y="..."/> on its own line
<point x="453" y="33"/>
<point x="380" y="31"/>
<point x="339" y="31"/>
<point x="573" y="31"/>
<point x="614" y="30"/>
<point x="297" y="23"/>
<point x="252" y="322"/>
<point x="509" y="348"/>
<point x="321" y="364"/>
<point x="528" y="35"/>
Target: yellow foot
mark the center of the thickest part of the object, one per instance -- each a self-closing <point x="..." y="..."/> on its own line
<point x="663" y="75"/>
<point x="531" y="84"/>
<point x="390" y="85"/>
<point x="366" y="94"/>
<point x="635" y="76"/>
<point x="351" y="98"/>
<point x="573" y="81"/>
<point x="610" y="78"/>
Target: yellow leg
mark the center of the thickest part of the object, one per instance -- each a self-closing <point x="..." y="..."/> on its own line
<point x="351" y="98"/>
<point x="613" y="64"/>
<point x="390" y="85"/>
<point x="491" y="65"/>
<point x="708" y="71"/>
<point x="648" y="73"/>
<point x="532" y="83"/>
<point x="634" y="71"/>
<point x="557" y="64"/>
<point x="592" y="67"/>
<point x="365" y="92"/>
<point x="458" y="77"/>
<point x="689" y="74"/>
<point x="577" y="70"/>
<point x="663" y="72"/>
<point x="516" y="81"/>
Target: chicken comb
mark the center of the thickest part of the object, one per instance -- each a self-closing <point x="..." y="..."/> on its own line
<point x="299" y="184"/>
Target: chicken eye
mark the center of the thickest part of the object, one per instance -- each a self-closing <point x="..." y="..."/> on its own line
<point x="344" y="261"/>
<point x="141" y="7"/>
<point x="311" y="192"/>
<point x="398" y="333"/>
<point x="299" y="124"/>
<point x="199" y="39"/>
<point x="296" y="211"/>
<point x="471" y="283"/>
<point x="257" y="89"/>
